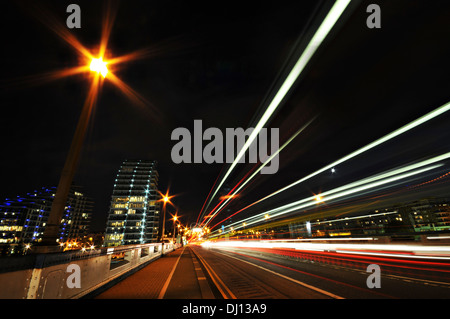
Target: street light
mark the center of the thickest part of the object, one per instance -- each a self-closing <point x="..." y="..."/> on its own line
<point x="99" y="66"/>
<point x="175" y="218"/>
<point x="60" y="199"/>
<point x="165" y="199"/>
<point x="68" y="172"/>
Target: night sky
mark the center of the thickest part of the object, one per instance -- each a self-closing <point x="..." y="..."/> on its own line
<point x="217" y="61"/>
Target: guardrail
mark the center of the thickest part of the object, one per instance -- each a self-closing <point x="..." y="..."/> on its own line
<point x="73" y="274"/>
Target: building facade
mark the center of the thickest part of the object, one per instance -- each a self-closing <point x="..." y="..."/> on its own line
<point x="23" y="219"/>
<point x="134" y="212"/>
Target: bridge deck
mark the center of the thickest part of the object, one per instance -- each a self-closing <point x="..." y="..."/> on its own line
<point x="177" y="275"/>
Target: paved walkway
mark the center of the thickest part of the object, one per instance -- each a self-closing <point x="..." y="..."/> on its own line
<point x="177" y="275"/>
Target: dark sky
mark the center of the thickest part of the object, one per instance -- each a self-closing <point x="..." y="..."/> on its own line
<point x="217" y="61"/>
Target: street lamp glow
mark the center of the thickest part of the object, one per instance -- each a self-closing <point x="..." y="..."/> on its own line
<point x="99" y="66"/>
<point x="165" y="197"/>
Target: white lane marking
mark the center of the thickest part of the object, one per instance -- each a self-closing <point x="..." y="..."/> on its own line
<point x="327" y="293"/>
<point x="166" y="284"/>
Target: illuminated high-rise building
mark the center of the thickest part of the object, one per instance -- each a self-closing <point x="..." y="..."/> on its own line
<point x="23" y="218"/>
<point x="134" y="214"/>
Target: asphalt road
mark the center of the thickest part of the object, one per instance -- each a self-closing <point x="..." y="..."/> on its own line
<point x="251" y="274"/>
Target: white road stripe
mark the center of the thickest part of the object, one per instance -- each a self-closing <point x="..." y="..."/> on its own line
<point x="288" y="278"/>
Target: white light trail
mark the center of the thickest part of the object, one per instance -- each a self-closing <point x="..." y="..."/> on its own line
<point x="364" y="184"/>
<point x="259" y="169"/>
<point x="321" y="33"/>
<point x="444" y="108"/>
<point x="311" y="201"/>
<point x="417" y="251"/>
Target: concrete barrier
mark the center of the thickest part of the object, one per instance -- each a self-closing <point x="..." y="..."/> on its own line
<point x="73" y="274"/>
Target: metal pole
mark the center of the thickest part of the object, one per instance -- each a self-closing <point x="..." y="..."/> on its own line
<point x="163" y="228"/>
<point x="173" y="235"/>
<point x="60" y="200"/>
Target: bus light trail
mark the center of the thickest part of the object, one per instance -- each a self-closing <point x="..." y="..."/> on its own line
<point x="312" y="201"/>
<point x="427" y="117"/>
<point x="358" y="186"/>
<point x="261" y="167"/>
<point x="364" y="181"/>
<point x="201" y="211"/>
<point x="444" y="108"/>
<point x="319" y="36"/>
<point x="397" y="250"/>
<point x="225" y="200"/>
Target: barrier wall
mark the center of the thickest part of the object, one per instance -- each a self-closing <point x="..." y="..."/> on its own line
<point x="72" y="274"/>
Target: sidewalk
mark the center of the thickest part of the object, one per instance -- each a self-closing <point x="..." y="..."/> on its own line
<point x="177" y="275"/>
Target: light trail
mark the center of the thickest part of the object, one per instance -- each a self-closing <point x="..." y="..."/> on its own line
<point x="259" y="169"/>
<point x="362" y="182"/>
<point x="320" y="35"/>
<point x="444" y="108"/>
<point x="427" y="117"/>
<point x="431" y="181"/>
<point x="312" y="202"/>
<point x="361" y="185"/>
<point x="226" y="198"/>
<point x="356" y="217"/>
<point x="201" y="211"/>
<point x="414" y="251"/>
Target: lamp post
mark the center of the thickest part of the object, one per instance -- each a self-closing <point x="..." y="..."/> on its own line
<point x="165" y="199"/>
<point x="173" y="234"/>
<point x="48" y="243"/>
<point x="175" y="218"/>
<point x="180" y="227"/>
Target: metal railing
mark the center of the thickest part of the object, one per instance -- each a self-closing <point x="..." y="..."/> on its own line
<point x="73" y="274"/>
